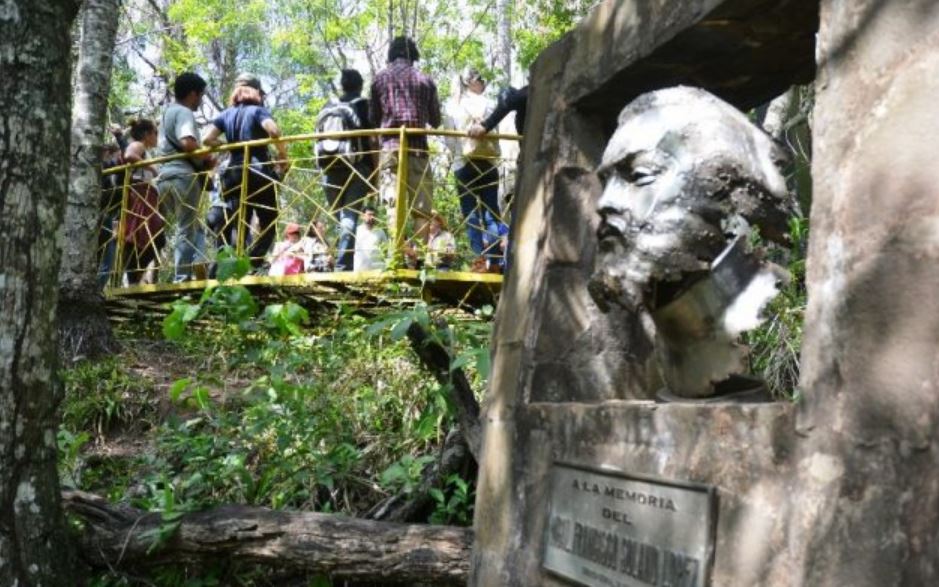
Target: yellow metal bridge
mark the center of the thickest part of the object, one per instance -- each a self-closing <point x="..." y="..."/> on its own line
<point x="439" y="232"/>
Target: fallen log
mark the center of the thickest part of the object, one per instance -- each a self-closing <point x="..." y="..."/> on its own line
<point x="339" y="546"/>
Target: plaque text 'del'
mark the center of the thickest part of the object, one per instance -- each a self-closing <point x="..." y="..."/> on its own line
<point x="610" y="529"/>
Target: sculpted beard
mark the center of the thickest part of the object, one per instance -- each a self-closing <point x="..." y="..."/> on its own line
<point x="609" y="286"/>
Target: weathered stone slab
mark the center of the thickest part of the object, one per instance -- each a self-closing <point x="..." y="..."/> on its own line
<point x="741" y="450"/>
<point x="870" y="459"/>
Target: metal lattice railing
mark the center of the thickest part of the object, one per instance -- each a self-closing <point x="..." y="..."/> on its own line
<point x="159" y="228"/>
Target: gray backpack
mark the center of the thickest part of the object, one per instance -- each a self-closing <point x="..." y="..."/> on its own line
<point x="336" y="117"/>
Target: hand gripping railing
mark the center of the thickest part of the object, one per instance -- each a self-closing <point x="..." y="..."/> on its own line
<point x="158" y="227"/>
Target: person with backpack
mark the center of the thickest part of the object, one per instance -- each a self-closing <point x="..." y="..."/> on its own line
<point x="246" y="119"/>
<point x="347" y="163"/>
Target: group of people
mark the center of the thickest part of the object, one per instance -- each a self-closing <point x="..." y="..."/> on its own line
<point x="400" y="96"/>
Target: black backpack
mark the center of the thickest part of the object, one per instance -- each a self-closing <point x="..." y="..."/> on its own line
<point x="337" y="116"/>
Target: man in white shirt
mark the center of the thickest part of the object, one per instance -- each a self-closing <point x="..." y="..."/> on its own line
<point x="369" y="255"/>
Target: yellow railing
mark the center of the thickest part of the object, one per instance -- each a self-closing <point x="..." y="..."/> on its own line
<point x="161" y="227"/>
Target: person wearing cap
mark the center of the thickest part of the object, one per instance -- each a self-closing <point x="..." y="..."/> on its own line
<point x="289" y="256"/>
<point x="441" y="246"/>
<point x="180" y="183"/>
<point x="250" y="80"/>
<point x="246" y="119"/>
<point x="403" y="96"/>
<point x="475" y="164"/>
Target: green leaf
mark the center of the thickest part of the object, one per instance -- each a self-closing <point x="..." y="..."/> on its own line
<point x="401" y="329"/>
<point x="437" y="495"/>
<point x="201" y="397"/>
<point x="178" y="387"/>
<point x="483" y="363"/>
<point x="173" y="325"/>
<point x="231" y="266"/>
<point x="462" y="361"/>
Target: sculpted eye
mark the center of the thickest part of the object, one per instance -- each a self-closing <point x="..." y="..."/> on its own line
<point x="641" y="175"/>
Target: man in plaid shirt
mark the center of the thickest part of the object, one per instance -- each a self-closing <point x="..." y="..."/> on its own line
<point x="403" y="96"/>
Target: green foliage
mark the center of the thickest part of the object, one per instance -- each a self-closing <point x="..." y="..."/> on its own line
<point x="547" y="21"/>
<point x="776" y="345"/>
<point x="70" y="446"/>
<point x="454" y="503"/>
<point x="405" y="475"/>
<point x="103" y="396"/>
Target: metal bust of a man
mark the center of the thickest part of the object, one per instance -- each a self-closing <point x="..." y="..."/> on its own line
<point x="686" y="177"/>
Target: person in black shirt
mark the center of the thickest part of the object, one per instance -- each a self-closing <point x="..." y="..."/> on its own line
<point x="347" y="185"/>
<point x="510" y="100"/>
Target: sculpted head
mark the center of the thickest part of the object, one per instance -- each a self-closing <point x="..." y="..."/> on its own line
<point x="683" y="172"/>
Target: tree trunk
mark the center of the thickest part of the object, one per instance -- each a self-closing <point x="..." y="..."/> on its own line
<point x="35" y="60"/>
<point x="83" y="321"/>
<point x="504" y="39"/>
<point x="342" y="547"/>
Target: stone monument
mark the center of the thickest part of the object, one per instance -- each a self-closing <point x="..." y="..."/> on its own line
<point x="585" y="479"/>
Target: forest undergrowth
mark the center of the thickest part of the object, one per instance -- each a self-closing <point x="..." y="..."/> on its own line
<point x="231" y="403"/>
<point x="228" y="402"/>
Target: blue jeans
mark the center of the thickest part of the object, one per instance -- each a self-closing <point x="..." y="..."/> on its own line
<point x="477" y="184"/>
<point x="346" y="192"/>
<point x="179" y="199"/>
<point x="107" y="245"/>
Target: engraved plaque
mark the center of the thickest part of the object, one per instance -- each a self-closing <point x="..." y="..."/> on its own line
<point x="615" y="530"/>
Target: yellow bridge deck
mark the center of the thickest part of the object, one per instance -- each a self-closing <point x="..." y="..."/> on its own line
<point x="318" y="291"/>
<point x="141" y="225"/>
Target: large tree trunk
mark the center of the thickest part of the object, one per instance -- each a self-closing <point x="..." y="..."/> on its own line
<point x="342" y="547"/>
<point x="83" y="321"/>
<point x="34" y="137"/>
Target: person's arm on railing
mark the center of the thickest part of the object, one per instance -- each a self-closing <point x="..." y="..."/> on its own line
<point x="137" y="152"/>
<point x="213" y="137"/>
<point x="273" y="131"/>
<point x="510" y="100"/>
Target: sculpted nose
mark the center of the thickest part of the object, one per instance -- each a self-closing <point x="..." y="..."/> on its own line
<point x="611" y="200"/>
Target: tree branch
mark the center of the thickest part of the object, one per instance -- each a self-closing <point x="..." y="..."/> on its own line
<point x="437" y="360"/>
